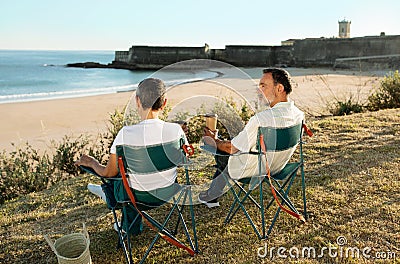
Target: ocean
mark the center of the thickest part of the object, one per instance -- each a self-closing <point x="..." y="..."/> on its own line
<point x="42" y="75"/>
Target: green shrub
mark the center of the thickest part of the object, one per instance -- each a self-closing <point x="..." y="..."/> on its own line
<point x="388" y="94"/>
<point x="348" y="107"/>
<point x="115" y="123"/>
<point x="24" y="171"/>
<point x="99" y="148"/>
<point x="67" y="152"/>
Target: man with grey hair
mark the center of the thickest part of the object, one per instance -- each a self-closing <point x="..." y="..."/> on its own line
<point x="273" y="90"/>
<point x="150" y="100"/>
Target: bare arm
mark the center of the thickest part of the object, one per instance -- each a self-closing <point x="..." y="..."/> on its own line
<point x="226" y="146"/>
<point x="110" y="170"/>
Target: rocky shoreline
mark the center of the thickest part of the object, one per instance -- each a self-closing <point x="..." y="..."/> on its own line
<point x="139" y="67"/>
<point x="113" y="65"/>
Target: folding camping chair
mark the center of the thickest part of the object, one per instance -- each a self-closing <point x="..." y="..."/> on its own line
<point x="144" y="160"/>
<point x="270" y="140"/>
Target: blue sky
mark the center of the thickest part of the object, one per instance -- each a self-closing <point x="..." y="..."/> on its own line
<point x="119" y="24"/>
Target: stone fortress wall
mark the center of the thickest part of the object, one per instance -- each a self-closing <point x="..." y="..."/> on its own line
<point x="370" y="51"/>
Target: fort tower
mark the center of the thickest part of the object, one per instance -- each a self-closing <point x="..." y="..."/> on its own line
<point x="344" y="28"/>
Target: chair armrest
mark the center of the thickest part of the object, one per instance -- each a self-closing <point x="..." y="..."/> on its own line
<point x="89" y="170"/>
<point x="216" y="152"/>
<point x="213" y="150"/>
<point x="93" y="172"/>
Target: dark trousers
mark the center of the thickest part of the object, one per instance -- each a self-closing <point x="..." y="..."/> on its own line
<point x="115" y="191"/>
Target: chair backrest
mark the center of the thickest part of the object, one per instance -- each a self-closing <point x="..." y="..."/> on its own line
<point x="150" y="159"/>
<point x="279" y="139"/>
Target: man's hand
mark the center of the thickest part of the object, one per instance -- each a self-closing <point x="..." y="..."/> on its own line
<point x="210" y="137"/>
<point x="210" y="133"/>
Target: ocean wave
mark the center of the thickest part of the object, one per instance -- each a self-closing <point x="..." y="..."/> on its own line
<point x="170" y="81"/>
<point x="64" y="94"/>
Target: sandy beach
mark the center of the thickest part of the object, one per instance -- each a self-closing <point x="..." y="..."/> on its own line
<point x="39" y="122"/>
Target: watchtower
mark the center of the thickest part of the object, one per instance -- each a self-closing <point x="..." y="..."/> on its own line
<point x="344" y="28"/>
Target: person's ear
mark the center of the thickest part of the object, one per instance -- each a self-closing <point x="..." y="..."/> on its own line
<point x="138" y="103"/>
<point x="164" y="104"/>
<point x="281" y="88"/>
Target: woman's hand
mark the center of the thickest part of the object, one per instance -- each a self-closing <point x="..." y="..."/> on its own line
<point x="86" y="160"/>
<point x="110" y="170"/>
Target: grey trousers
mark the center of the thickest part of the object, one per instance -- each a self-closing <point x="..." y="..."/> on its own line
<point x="220" y="177"/>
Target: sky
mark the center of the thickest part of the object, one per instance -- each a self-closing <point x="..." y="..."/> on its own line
<point x="119" y="24"/>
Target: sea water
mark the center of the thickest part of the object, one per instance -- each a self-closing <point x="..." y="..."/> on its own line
<point x="42" y="75"/>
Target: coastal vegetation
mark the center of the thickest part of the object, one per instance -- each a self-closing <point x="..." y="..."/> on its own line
<point x="386" y="96"/>
<point x="352" y="171"/>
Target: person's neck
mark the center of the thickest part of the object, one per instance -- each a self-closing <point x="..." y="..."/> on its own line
<point x="282" y="100"/>
<point x="149" y="114"/>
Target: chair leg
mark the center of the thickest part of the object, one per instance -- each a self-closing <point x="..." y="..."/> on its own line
<point x="250" y="197"/>
<point x="193" y="221"/>
<point x="233" y="209"/>
<point x="120" y="242"/>
<point x="126" y="247"/>
<point x="284" y="199"/>
<point x="262" y="211"/>
<point x="282" y="187"/>
<point x="244" y="210"/>
<point x="116" y="221"/>
<point x="180" y="211"/>
<point x="150" y="248"/>
<point x="160" y="227"/>
<point x="303" y="186"/>
<point x="196" y="245"/>
<point x="228" y="218"/>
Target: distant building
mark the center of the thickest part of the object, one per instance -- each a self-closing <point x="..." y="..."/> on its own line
<point x="344" y="28"/>
<point x="288" y="42"/>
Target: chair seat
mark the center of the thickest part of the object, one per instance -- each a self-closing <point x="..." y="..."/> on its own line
<point x="287" y="170"/>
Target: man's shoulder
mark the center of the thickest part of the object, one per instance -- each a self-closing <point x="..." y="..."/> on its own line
<point x="266" y="113"/>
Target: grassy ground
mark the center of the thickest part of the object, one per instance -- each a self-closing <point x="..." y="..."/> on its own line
<point x="353" y="183"/>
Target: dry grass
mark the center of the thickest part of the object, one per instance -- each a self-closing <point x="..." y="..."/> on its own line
<point x="353" y="183"/>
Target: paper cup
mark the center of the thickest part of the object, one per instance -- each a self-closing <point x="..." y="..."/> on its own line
<point x="211" y="121"/>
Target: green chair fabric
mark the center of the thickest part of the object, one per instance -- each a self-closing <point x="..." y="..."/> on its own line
<point x="151" y="159"/>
